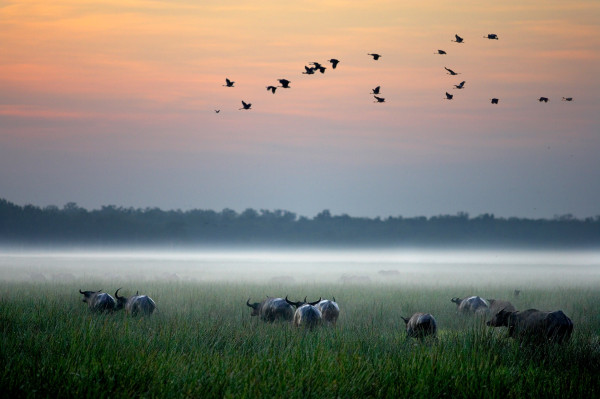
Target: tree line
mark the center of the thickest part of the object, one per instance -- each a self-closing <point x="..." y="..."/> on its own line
<point x="112" y="225"/>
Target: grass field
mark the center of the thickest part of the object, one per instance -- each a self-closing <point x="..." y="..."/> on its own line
<point x="202" y="342"/>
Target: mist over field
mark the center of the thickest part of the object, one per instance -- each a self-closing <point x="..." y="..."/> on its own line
<point x="293" y="266"/>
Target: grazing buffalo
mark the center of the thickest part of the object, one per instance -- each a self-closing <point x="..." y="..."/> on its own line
<point x="136" y="304"/>
<point x="330" y="311"/>
<point x="420" y="325"/>
<point x="472" y="305"/>
<point x="98" y="301"/>
<point x="272" y="309"/>
<point x="534" y="325"/>
<point x="497" y="305"/>
<point x="307" y="314"/>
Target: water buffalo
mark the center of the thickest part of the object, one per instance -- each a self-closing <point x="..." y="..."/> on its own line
<point x="330" y="311"/>
<point x="98" y="301"/>
<point x="307" y="314"/>
<point x="497" y="305"/>
<point x="272" y="309"/>
<point x="136" y="304"/>
<point x="420" y="325"/>
<point x="534" y="325"/>
<point x="472" y="305"/>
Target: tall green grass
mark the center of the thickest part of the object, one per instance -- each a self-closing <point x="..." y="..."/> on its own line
<point x="202" y="342"/>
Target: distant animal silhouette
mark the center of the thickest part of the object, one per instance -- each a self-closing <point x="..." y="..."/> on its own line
<point x="451" y="72"/>
<point x="334" y="62"/>
<point x="272" y="88"/>
<point x="318" y="66"/>
<point x="217" y="111"/>
<point x="376" y="90"/>
<point x="228" y="82"/>
<point x="567" y="98"/>
<point x="375" y="56"/>
<point x="543" y="99"/>
<point x="495" y="101"/>
<point x="245" y="105"/>
<point x="458" y="39"/>
<point x="284" y="83"/>
<point x="309" y="70"/>
<point x="449" y="96"/>
<point x="379" y="99"/>
<point x="440" y="52"/>
<point x="461" y="85"/>
<point x="491" y="36"/>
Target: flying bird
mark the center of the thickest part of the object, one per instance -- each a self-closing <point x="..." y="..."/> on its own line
<point x="567" y="98"/>
<point x="217" y="111"/>
<point x="440" y="52"/>
<point x="543" y="99"/>
<point x="449" y="96"/>
<point x="379" y="99"/>
<point x="334" y="62"/>
<point x="309" y="70"/>
<point x="284" y="83"/>
<point x="245" y="105"/>
<point x="375" y="56"/>
<point x="491" y="36"/>
<point x="458" y="39"/>
<point x="495" y="101"/>
<point x="451" y="72"/>
<point x="272" y="88"/>
<point x="461" y="85"/>
<point x="376" y="90"/>
<point x="228" y="82"/>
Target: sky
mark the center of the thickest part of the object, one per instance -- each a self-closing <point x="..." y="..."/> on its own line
<point x="113" y="103"/>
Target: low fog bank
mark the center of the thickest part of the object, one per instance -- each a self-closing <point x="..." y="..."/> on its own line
<point x="283" y="267"/>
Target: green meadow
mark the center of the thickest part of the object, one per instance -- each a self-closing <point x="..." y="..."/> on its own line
<point x="202" y="342"/>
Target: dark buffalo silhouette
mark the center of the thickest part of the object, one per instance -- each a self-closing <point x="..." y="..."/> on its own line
<point x="471" y="305"/>
<point x="98" y="301"/>
<point x="136" y="304"/>
<point x="330" y="311"/>
<point x="272" y="309"/>
<point x="306" y="314"/>
<point x="534" y="325"/>
<point x="497" y="305"/>
<point x="420" y="325"/>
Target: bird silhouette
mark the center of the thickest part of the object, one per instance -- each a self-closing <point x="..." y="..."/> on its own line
<point x="284" y="83"/>
<point x="217" y="111"/>
<point x="308" y="70"/>
<point x="318" y="66"/>
<point x="272" y="88"/>
<point x="376" y="90"/>
<point x="334" y="62"/>
<point x="379" y="99"/>
<point x="449" y="96"/>
<point x="567" y="98"/>
<point x="228" y="82"/>
<point x="458" y="39"/>
<point x="375" y="56"/>
<point x="442" y="52"/>
<point x="451" y="72"/>
<point x="491" y="36"/>
<point x="543" y="99"/>
<point x="245" y="105"/>
<point x="461" y="85"/>
<point x="495" y="101"/>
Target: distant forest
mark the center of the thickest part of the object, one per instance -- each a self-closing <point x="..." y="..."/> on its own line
<point x="115" y="226"/>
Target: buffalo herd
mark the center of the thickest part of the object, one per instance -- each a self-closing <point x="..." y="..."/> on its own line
<point x="99" y="301"/>
<point x="528" y="325"/>
<point x="531" y="325"/>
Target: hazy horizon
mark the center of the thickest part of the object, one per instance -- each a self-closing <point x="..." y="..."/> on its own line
<point x="113" y="103"/>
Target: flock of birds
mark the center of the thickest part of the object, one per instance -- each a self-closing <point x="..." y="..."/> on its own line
<point x="461" y="85"/>
<point x="314" y="67"/>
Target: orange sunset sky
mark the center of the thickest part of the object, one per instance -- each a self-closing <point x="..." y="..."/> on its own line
<point x="112" y="102"/>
